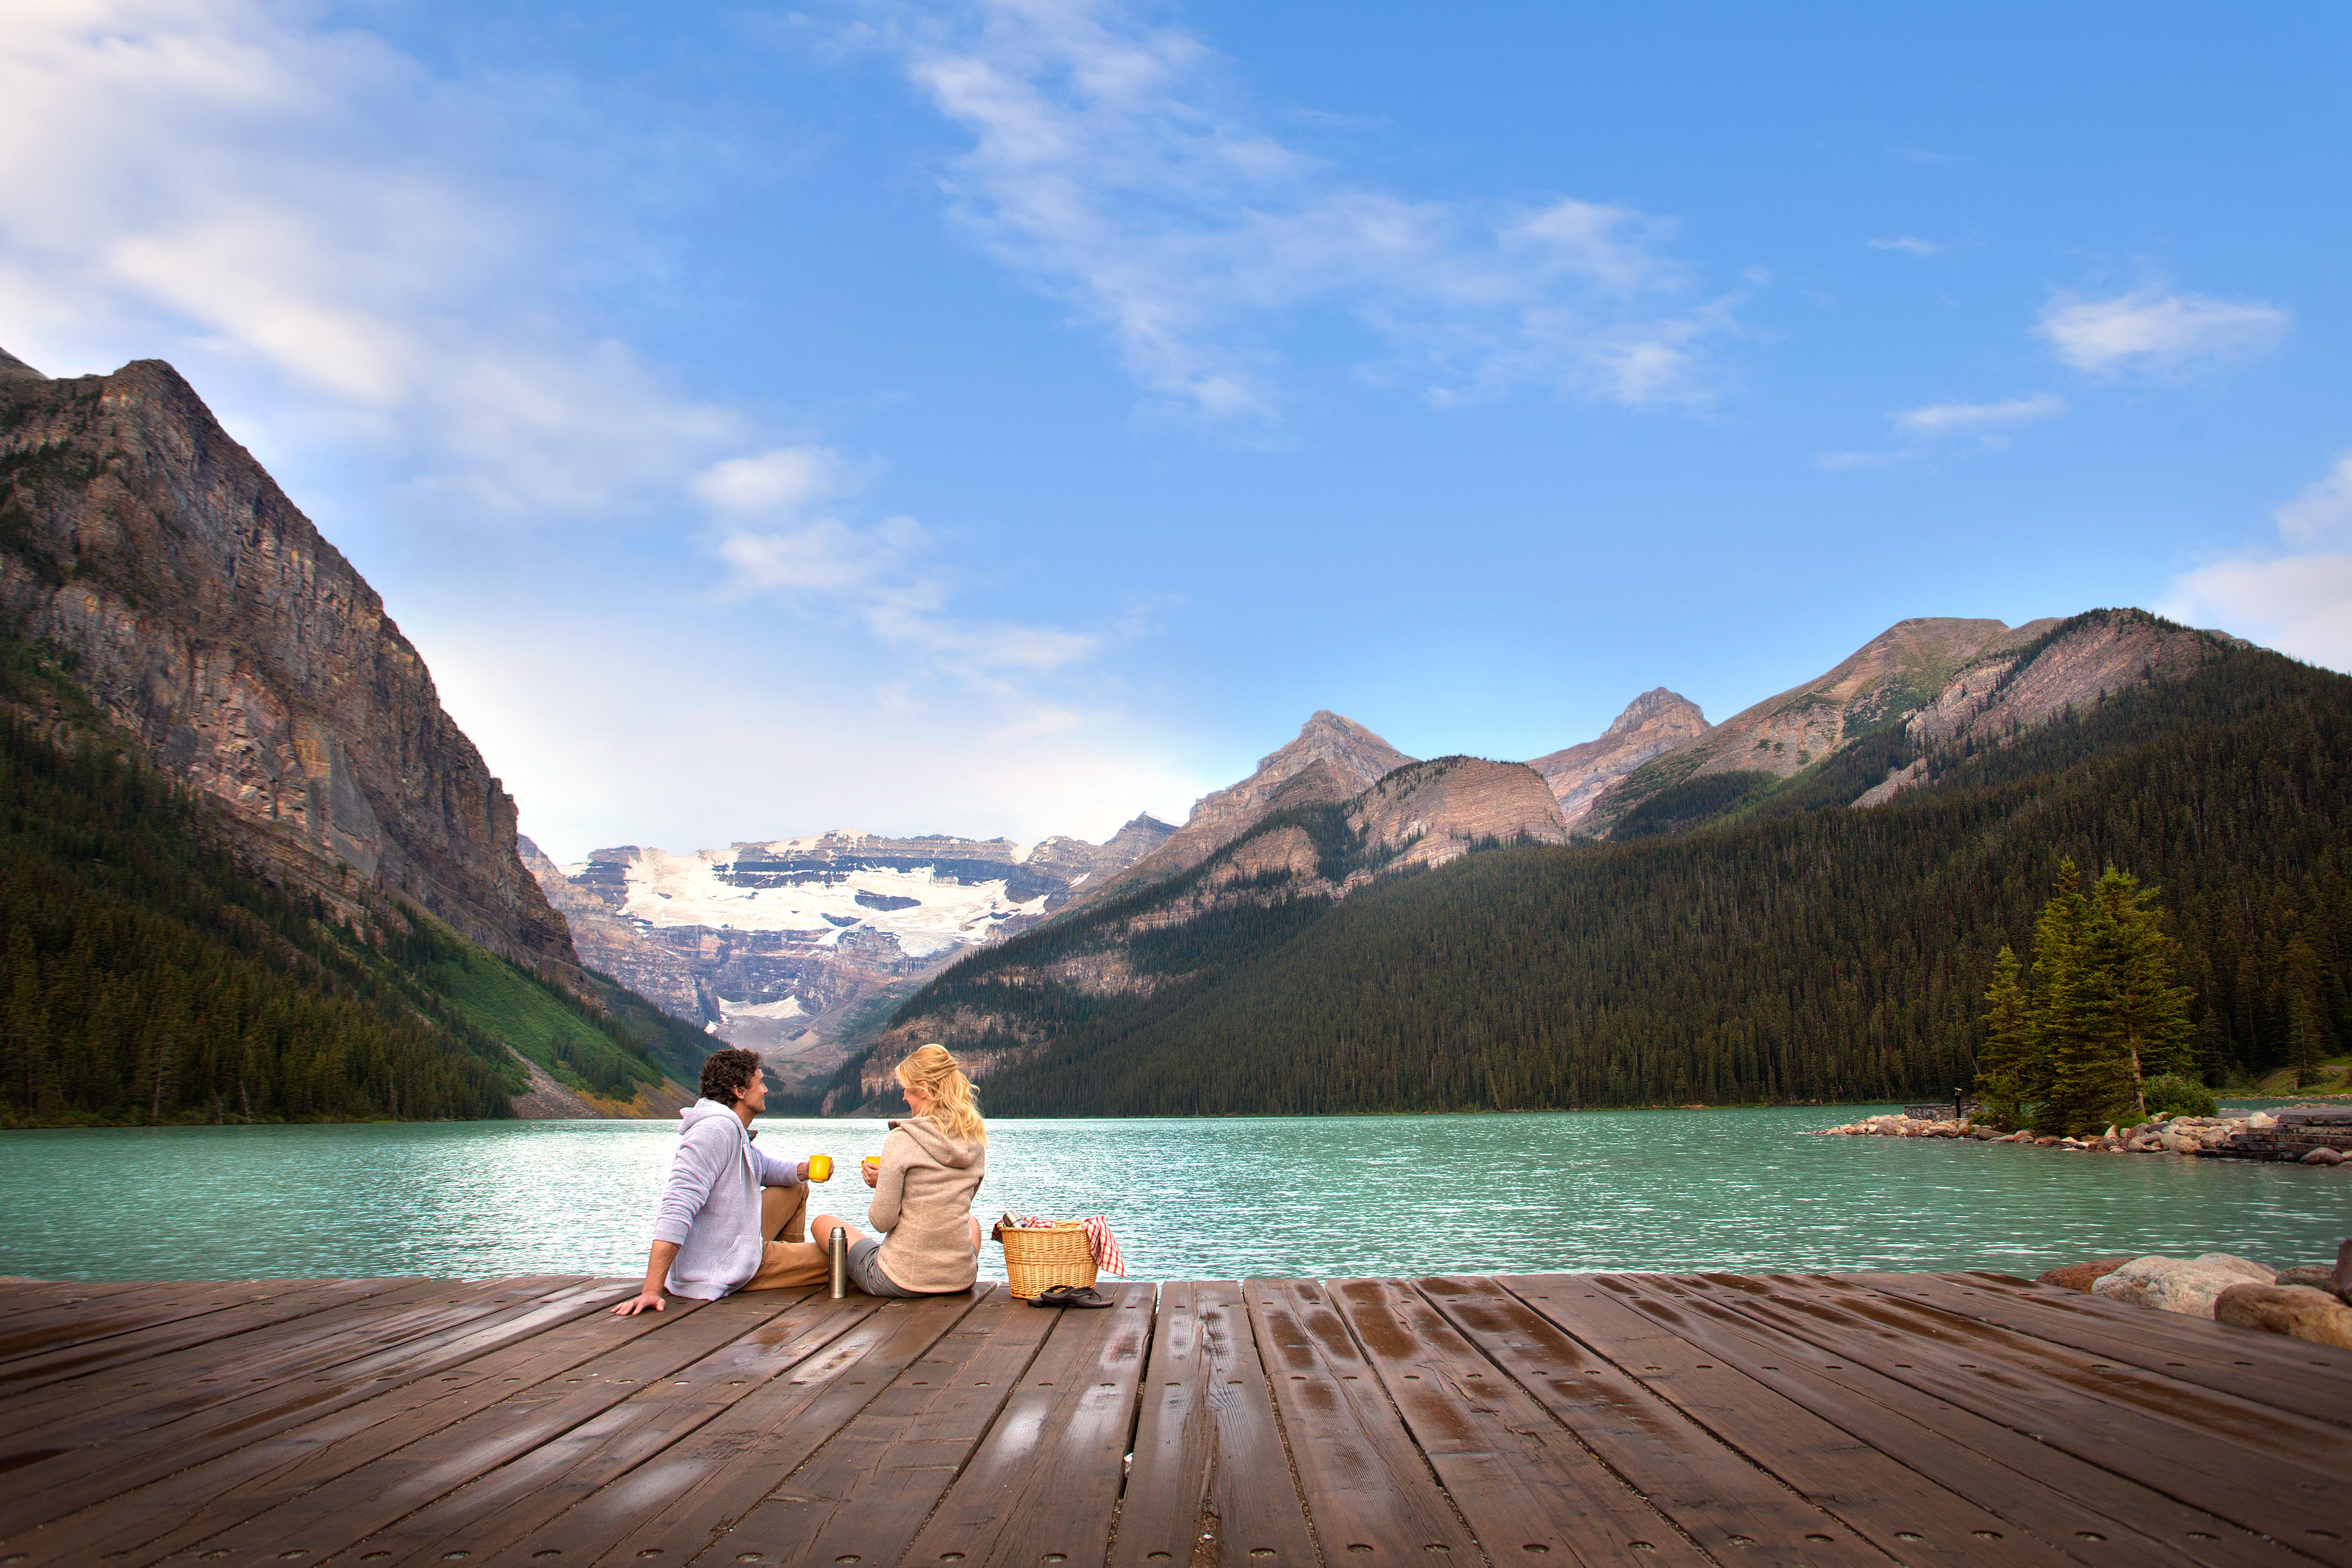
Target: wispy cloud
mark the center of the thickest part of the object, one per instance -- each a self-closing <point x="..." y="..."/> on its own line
<point x="310" y="212"/>
<point x="1950" y="418"/>
<point x="2154" y="331"/>
<point x="778" y="533"/>
<point x="1910" y="245"/>
<point x="1113" y="166"/>
<point x="2299" y="602"/>
<point x="1918" y="429"/>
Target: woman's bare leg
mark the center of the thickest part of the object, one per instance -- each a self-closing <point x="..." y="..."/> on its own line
<point x="821" y="1230"/>
<point x="975" y="1233"/>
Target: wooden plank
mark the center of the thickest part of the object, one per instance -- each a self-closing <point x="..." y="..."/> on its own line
<point x="2049" y="1493"/>
<point x="2260" y="1468"/>
<point x="1370" y="1494"/>
<point x="670" y="1507"/>
<point x="517" y="1500"/>
<point x="430" y="1458"/>
<point x="110" y="1465"/>
<point x="1904" y="1514"/>
<point x="1042" y="1485"/>
<point x="265" y="1308"/>
<point x="1165" y="1507"/>
<point x="18" y="1296"/>
<point x="1522" y="1484"/>
<point x="144" y="1307"/>
<point x="2287" y="1374"/>
<point x="1260" y="1513"/>
<point x="167" y="1494"/>
<point x="868" y="1490"/>
<point x="1712" y="1492"/>
<point x="171" y="1384"/>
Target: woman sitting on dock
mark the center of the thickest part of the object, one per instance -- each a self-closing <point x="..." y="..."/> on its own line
<point x="932" y="1167"/>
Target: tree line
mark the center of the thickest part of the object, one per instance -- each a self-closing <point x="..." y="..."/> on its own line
<point x="1807" y="952"/>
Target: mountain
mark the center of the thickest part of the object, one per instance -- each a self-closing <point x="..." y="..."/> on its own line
<point x="332" y="919"/>
<point x="1332" y="758"/>
<point x="1306" y="853"/>
<point x="1789" y="945"/>
<point x="790" y="947"/>
<point x="1657" y="722"/>
<point x="209" y="619"/>
<point x="1913" y="665"/>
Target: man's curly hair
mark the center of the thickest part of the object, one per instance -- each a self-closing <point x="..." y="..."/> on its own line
<point x="727" y="1074"/>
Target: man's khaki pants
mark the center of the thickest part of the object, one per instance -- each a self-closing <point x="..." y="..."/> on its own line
<point x="787" y="1260"/>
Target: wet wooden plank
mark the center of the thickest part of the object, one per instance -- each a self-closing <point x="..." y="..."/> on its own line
<point x="1165" y="1509"/>
<point x="20" y="1296"/>
<point x="672" y="1506"/>
<point x="1524" y="1485"/>
<point x="515" y="1501"/>
<point x="2049" y="1493"/>
<point x="1369" y="1493"/>
<point x="434" y="1457"/>
<point x="2287" y="1374"/>
<point x="1900" y="1511"/>
<point x="866" y="1492"/>
<point x="111" y="1464"/>
<point x="1042" y="1486"/>
<point x="1712" y="1492"/>
<point x="173" y="1386"/>
<point x="2260" y="1468"/>
<point x="1260" y="1513"/>
<point x="101" y="1328"/>
<point x="233" y="1478"/>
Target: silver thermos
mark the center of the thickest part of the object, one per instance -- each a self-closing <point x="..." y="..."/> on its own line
<point x="839" y="1246"/>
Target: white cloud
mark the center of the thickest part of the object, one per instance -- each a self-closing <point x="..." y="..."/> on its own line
<point x="1918" y="429"/>
<point x="2156" y="331"/>
<point x="1909" y="244"/>
<point x="1941" y="418"/>
<point x="308" y="219"/>
<point x="2321" y="510"/>
<point x="1112" y="166"/>
<point x="2300" y="604"/>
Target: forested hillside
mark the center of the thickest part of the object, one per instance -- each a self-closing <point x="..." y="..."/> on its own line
<point x="151" y="978"/>
<point x="1800" y="950"/>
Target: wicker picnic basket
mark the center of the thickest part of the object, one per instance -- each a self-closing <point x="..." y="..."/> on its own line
<point x="1037" y="1260"/>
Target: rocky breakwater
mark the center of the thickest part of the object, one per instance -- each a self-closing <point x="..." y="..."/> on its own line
<point x="2310" y="1301"/>
<point x="2309" y="1135"/>
<point x="205" y="616"/>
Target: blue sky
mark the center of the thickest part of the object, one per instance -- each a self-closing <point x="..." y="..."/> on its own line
<point x="1004" y="418"/>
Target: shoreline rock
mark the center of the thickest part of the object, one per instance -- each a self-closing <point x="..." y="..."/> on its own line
<point x="2163" y="1134"/>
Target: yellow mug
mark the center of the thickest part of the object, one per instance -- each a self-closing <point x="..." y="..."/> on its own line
<point x="872" y="1163"/>
<point x="820" y="1167"/>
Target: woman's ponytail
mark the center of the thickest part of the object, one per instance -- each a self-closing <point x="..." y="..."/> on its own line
<point x="955" y="1109"/>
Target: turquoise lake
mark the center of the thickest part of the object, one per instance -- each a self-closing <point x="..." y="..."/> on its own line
<point x="1740" y="1189"/>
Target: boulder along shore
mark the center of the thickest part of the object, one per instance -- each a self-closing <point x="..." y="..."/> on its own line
<point x="2306" y="1135"/>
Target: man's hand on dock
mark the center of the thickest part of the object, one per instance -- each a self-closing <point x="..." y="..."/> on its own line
<point x="638" y="1303"/>
<point x="664" y="1253"/>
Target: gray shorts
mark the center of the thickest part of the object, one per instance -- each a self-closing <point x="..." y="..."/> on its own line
<point x="866" y="1272"/>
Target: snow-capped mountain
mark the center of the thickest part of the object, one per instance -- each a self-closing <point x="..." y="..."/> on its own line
<point x="787" y="945"/>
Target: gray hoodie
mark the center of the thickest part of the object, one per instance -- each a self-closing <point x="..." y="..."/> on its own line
<point x="711" y="1205"/>
<point x="922" y="1199"/>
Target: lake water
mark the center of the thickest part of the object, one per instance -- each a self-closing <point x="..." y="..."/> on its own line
<point x="1740" y="1189"/>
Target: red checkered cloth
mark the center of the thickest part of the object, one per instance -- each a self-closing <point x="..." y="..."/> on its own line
<point x="1099" y="1240"/>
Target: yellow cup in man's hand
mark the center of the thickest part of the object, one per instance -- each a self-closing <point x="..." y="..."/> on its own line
<point x="820" y="1167"/>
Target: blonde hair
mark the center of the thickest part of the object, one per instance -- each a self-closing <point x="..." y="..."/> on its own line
<point x="955" y="1110"/>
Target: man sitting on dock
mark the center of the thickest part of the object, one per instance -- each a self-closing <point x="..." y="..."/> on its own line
<point x="732" y="1214"/>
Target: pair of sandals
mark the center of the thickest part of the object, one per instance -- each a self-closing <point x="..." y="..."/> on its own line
<point x="1069" y="1295"/>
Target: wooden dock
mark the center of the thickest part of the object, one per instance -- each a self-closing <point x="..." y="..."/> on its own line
<point x="1633" y="1419"/>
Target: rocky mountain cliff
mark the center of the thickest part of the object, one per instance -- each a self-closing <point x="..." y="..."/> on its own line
<point x="1656" y="723"/>
<point x="1303" y="852"/>
<point x="791" y="946"/>
<point x="1332" y="760"/>
<point x="204" y="615"/>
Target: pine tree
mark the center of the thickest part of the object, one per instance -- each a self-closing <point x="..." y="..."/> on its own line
<point x="2006" y="1064"/>
<point x="2147" y="1016"/>
<point x="2305" y="1037"/>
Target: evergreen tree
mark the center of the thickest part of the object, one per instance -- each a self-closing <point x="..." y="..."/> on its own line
<point x="2147" y="1017"/>
<point x="2005" y="1064"/>
<point x="2304" y="1036"/>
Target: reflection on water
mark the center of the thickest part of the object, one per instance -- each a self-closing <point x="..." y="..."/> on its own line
<point x="1272" y="1196"/>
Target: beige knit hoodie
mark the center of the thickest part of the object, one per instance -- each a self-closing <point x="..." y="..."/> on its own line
<point x="923" y="1200"/>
